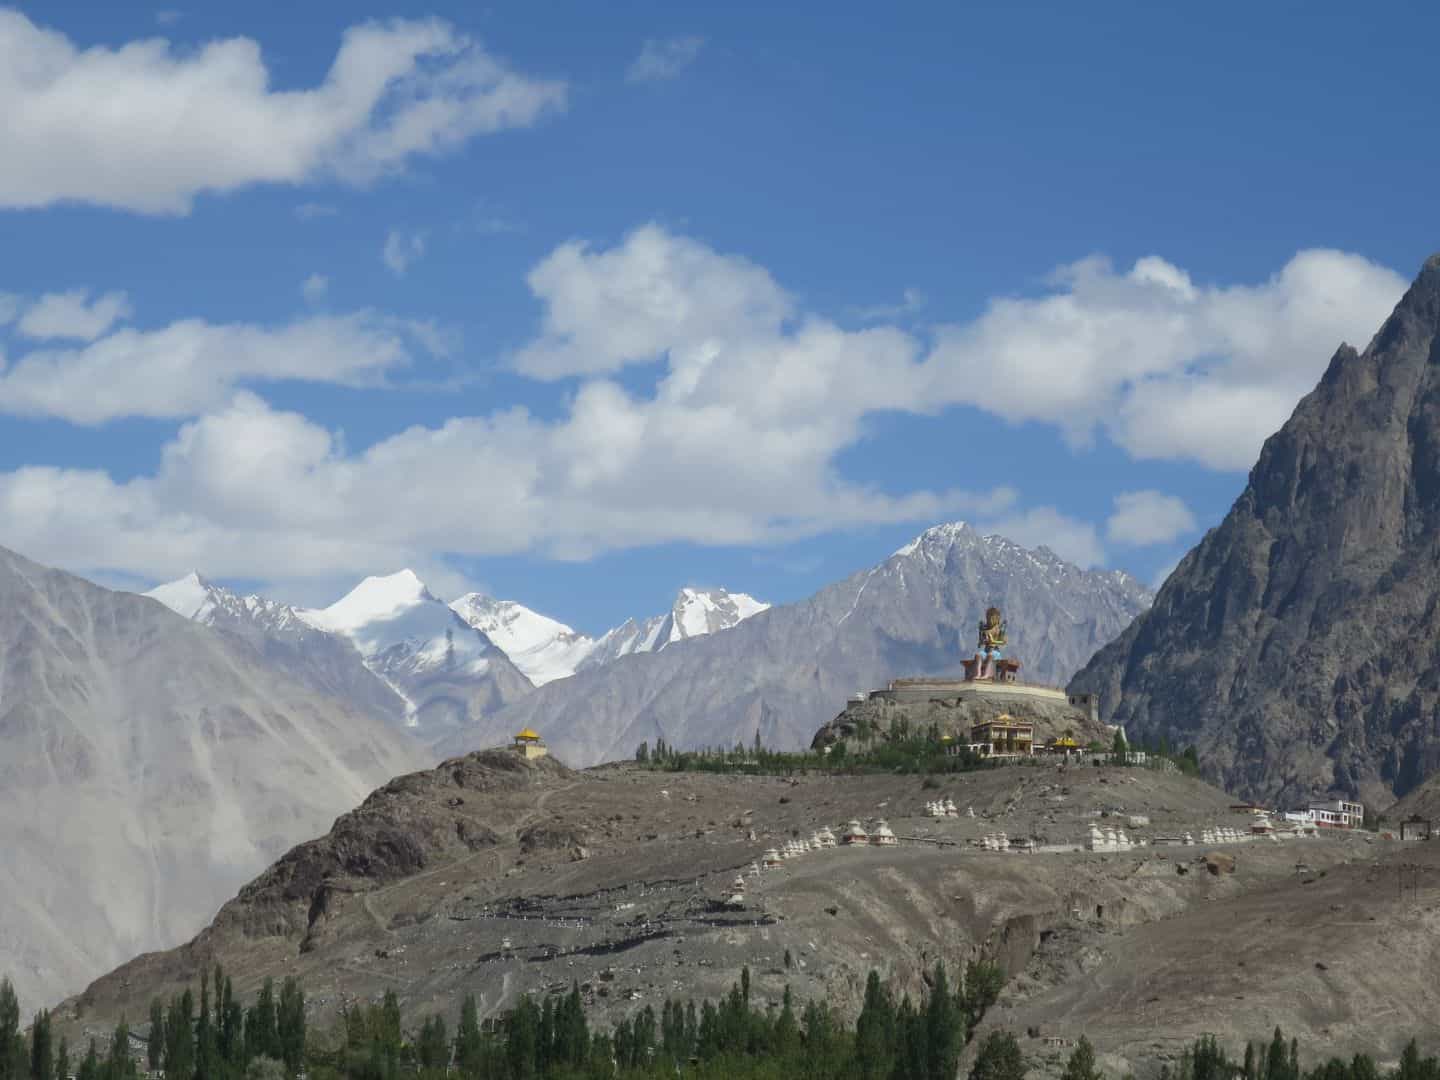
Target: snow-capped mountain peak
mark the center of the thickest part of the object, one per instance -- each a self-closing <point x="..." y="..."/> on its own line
<point x="546" y="649"/>
<point x="387" y="644"/>
<point x="937" y="538"/>
<point x="191" y="596"/>
<point x="376" y="600"/>
<point x="704" y="611"/>
<point x="196" y="598"/>
<point x="396" y="617"/>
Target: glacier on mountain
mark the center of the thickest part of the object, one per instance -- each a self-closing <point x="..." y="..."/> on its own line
<point x="545" y="649"/>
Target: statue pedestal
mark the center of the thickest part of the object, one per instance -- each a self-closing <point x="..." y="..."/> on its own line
<point x="1003" y="670"/>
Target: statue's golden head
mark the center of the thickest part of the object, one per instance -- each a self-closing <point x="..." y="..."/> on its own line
<point x="992" y="616"/>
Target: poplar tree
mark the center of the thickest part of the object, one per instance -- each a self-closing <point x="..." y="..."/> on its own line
<point x="42" y="1059"/>
<point x="155" y="1048"/>
<point x="12" y="1047"/>
<point x="290" y="1025"/>
<point x="467" y="1039"/>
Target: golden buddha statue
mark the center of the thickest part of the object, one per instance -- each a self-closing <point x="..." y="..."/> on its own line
<point x="991" y="644"/>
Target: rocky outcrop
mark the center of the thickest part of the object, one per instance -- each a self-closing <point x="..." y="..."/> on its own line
<point x="1294" y="646"/>
<point x="864" y="721"/>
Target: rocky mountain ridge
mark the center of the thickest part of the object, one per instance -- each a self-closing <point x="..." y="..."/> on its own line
<point x="1295" y="644"/>
<point x="786" y="670"/>
<point x="545" y="649"/>
<point x="389" y="645"/>
<point x="148" y="766"/>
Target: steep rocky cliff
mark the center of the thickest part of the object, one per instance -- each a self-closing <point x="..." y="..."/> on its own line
<point x="1298" y="645"/>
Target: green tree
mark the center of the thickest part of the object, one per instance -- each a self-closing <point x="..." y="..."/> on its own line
<point x="999" y="1058"/>
<point x="983" y="983"/>
<point x="1119" y="748"/>
<point x="12" y="1045"/>
<point x="90" y="1064"/>
<point x="875" y="1032"/>
<point x="944" y="1028"/>
<point x="290" y="1025"/>
<point x="180" y="1037"/>
<point x="1277" y="1059"/>
<point x="642" y="753"/>
<point x="1081" y="1065"/>
<point x="120" y="1065"/>
<point x="42" y="1053"/>
<point x="205" y="1042"/>
<point x="62" y="1059"/>
<point x="155" y="1045"/>
<point x="232" y="1028"/>
<point x="431" y="1048"/>
<point x="467" y="1039"/>
<point x="262" y="1036"/>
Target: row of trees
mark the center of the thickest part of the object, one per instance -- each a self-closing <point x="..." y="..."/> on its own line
<point x="904" y="751"/>
<point x="221" y="1040"/>
<point x="733" y="1038"/>
<point x="900" y="748"/>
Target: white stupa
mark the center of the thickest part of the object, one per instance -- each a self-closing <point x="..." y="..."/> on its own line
<point x="882" y="836"/>
<point x="854" y="835"/>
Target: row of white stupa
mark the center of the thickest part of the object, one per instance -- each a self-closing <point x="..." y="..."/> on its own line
<point x="853" y="835"/>
<point x="946" y="808"/>
<point x="1112" y="839"/>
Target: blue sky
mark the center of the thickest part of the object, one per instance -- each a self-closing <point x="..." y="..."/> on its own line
<point x="607" y="299"/>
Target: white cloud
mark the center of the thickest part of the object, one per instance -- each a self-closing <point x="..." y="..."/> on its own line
<point x="1167" y="368"/>
<point x="249" y="491"/>
<point x="168" y="16"/>
<point x="1142" y="518"/>
<point x="734" y="442"/>
<point x="9" y="308"/>
<point x="401" y="249"/>
<point x="664" y="58"/>
<point x="314" y="288"/>
<point x="148" y="126"/>
<point x="654" y="293"/>
<point x="192" y="366"/>
<point x="73" y="315"/>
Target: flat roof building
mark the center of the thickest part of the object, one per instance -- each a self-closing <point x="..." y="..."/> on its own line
<point x="1005" y="736"/>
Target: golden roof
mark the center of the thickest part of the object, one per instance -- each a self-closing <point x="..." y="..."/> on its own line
<point x="528" y="735"/>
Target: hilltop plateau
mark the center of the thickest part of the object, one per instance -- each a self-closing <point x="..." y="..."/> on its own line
<point x="501" y="877"/>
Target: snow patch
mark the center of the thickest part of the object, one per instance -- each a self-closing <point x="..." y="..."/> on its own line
<point x="190" y="597"/>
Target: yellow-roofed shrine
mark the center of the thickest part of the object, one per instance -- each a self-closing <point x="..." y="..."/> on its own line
<point x="529" y="744"/>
